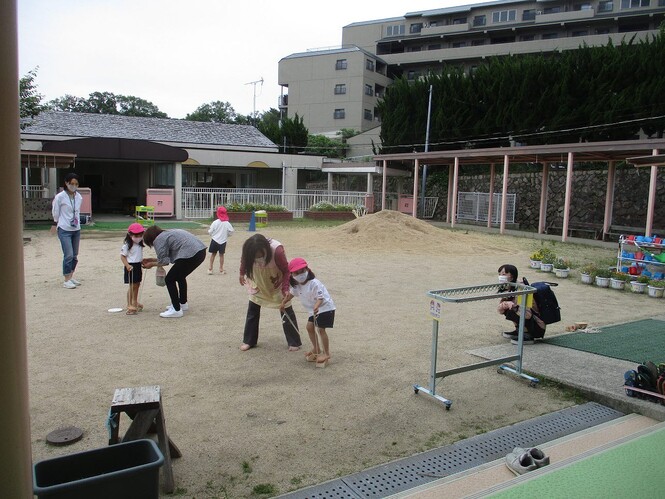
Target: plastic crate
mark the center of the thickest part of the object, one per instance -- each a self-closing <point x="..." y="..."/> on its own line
<point x="127" y="470"/>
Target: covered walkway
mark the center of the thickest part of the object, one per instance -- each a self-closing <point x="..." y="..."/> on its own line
<point x="606" y="152"/>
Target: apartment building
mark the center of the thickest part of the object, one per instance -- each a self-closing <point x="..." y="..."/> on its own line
<point x="339" y="88"/>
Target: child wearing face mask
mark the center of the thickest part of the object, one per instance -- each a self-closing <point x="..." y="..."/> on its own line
<point x="317" y="301"/>
<point x="131" y="255"/>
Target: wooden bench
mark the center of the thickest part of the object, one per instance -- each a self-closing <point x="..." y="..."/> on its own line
<point x="579" y="229"/>
<point x="143" y="405"/>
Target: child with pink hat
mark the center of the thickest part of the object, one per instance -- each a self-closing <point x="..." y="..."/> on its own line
<point x="131" y="255"/>
<point x="317" y="301"/>
<point x="220" y="231"/>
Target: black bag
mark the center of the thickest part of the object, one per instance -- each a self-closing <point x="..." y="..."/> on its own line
<point x="548" y="306"/>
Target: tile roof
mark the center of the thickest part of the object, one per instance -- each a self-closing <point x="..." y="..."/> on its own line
<point x="66" y="124"/>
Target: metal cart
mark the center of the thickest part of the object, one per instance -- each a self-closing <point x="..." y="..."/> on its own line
<point x="523" y="294"/>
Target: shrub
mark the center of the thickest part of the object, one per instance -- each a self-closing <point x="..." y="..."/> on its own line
<point x="325" y="206"/>
<point x="657" y="283"/>
<point x="245" y="207"/>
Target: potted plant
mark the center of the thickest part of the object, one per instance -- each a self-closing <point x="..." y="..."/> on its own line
<point x="618" y="280"/>
<point x="587" y="272"/>
<point x="602" y="277"/>
<point x="656" y="288"/>
<point x="561" y="267"/>
<point x="547" y="262"/>
<point x="639" y="284"/>
<point x="535" y="259"/>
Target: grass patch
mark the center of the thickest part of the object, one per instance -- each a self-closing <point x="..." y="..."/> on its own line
<point x="264" y="488"/>
<point x="246" y="467"/>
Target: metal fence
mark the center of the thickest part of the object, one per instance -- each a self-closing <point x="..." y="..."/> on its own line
<point x="474" y="206"/>
<point x="201" y="202"/>
<point x="33" y="191"/>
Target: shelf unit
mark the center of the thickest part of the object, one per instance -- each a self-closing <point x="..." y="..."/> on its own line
<point x="635" y="252"/>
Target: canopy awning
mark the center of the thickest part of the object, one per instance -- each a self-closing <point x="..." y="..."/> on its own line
<point x="42" y="159"/>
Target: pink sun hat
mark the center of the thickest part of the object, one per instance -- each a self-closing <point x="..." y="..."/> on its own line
<point x="297" y="264"/>
<point x="221" y="214"/>
<point x="136" y="228"/>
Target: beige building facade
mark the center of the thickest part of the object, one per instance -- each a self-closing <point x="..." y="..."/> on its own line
<point x="340" y="88"/>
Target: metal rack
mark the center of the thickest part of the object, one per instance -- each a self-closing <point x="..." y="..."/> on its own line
<point x="522" y="292"/>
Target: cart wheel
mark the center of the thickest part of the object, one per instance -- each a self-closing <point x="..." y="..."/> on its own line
<point x="448" y="406"/>
<point x="533" y="384"/>
<point x="415" y="390"/>
<point x="499" y="370"/>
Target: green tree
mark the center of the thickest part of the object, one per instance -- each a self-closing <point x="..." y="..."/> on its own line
<point x="107" y="103"/>
<point x="295" y="134"/>
<point x="30" y="100"/>
<point x="268" y="125"/>
<point x="320" y="145"/>
<point x="214" y="112"/>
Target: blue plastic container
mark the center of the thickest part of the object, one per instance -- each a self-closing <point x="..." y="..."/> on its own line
<point x="128" y="470"/>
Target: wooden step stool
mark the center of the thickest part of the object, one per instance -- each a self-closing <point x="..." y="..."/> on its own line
<point x="143" y="405"/>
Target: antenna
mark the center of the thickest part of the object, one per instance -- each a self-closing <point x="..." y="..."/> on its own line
<point x="254" y="83"/>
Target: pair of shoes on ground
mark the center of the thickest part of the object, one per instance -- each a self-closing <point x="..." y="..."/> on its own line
<point x="221" y="271"/>
<point x="172" y="313"/>
<point x="514" y="338"/>
<point x="316" y="357"/>
<point x="71" y="284"/>
<point x="520" y="460"/>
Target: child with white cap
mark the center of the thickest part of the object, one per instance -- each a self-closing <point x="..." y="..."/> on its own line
<point x="317" y="301"/>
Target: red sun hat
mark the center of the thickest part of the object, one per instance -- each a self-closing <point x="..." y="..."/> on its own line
<point x="136" y="228"/>
<point x="221" y="214"/>
<point x="297" y="264"/>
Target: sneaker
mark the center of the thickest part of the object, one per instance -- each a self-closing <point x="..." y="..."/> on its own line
<point x="528" y="340"/>
<point x="69" y="285"/>
<point x="76" y="283"/>
<point x="511" y="335"/>
<point x="209" y="271"/>
<point x="520" y="463"/>
<point x="536" y="454"/>
<point x="184" y="307"/>
<point x="171" y="313"/>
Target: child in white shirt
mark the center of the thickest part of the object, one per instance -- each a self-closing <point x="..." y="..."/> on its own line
<point x="317" y="301"/>
<point x="220" y="230"/>
<point x="131" y="255"/>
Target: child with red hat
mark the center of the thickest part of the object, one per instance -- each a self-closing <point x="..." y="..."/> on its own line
<point x="220" y="231"/>
<point x="131" y="255"/>
<point x="317" y="301"/>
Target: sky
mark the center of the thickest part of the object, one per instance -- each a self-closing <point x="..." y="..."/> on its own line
<point x="180" y="54"/>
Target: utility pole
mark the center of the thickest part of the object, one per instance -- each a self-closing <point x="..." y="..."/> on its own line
<point x="254" y="83"/>
<point x="424" y="179"/>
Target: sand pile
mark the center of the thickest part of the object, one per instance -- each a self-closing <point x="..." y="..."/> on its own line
<point x="386" y="229"/>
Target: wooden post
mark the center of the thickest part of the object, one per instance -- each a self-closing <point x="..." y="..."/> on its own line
<point x="566" y="207"/>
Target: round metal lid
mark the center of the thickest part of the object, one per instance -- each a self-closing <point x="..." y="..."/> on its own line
<point x="64" y="436"/>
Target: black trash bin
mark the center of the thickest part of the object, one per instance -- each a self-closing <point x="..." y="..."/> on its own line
<point x="127" y="470"/>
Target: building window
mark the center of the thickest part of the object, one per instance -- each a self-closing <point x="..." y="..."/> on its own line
<point x="411" y="75"/>
<point x="479" y="20"/>
<point x="603" y="31"/>
<point x="340" y="64"/>
<point x="605" y="6"/>
<point x="457" y="45"/>
<point x="529" y="15"/>
<point x="476" y="43"/>
<point x="582" y="6"/>
<point x="369" y="65"/>
<point x="369" y="90"/>
<point x="459" y="20"/>
<point x="164" y="175"/>
<point x="527" y="38"/>
<point x="634" y="4"/>
<point x="433" y="24"/>
<point x="415" y="48"/>
<point x="368" y="115"/>
<point x="416" y="28"/>
<point x="503" y="16"/>
<point x="339" y="114"/>
<point x="435" y="46"/>
<point x="395" y="30"/>
<point x="340" y="89"/>
<point x="580" y="33"/>
<point x="550" y="36"/>
<point x="551" y="10"/>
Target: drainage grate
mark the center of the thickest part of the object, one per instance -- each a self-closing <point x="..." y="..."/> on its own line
<point x="420" y="469"/>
